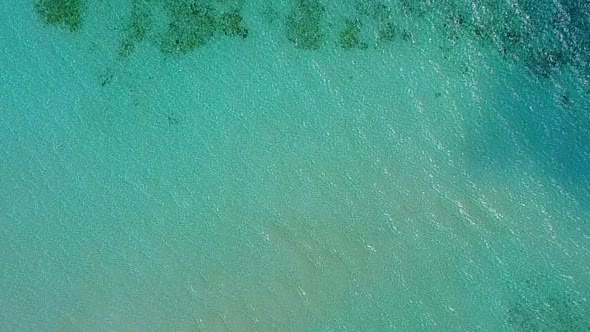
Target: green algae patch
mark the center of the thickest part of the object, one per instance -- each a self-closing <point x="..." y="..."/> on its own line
<point x="417" y="8"/>
<point x="232" y="25"/>
<point x="387" y="32"/>
<point x="350" y="36"/>
<point x="380" y="22"/>
<point x="191" y="26"/>
<point x="544" y="306"/>
<point x="544" y="62"/>
<point x="374" y="10"/>
<point x="136" y="30"/>
<point x="304" y="24"/>
<point x="64" y="13"/>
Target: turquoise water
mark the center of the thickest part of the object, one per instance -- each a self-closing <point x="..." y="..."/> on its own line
<point x="300" y="165"/>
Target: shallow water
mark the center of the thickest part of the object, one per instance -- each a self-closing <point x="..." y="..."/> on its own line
<point x="301" y="165"/>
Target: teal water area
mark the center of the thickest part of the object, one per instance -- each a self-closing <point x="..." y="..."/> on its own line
<point x="300" y="165"/>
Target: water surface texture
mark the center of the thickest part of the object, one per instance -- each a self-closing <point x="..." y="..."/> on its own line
<point x="295" y="165"/>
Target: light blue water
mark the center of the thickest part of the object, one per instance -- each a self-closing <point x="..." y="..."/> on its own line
<point x="378" y="165"/>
